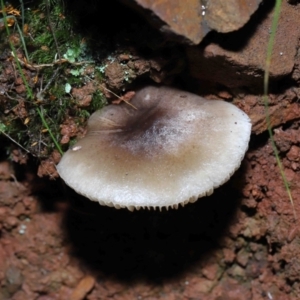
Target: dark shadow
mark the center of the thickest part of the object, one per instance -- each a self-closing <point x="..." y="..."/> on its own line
<point x="143" y="244"/>
<point x="118" y="23"/>
<point x="48" y="191"/>
<point x="148" y="244"/>
<point x="258" y="141"/>
<point x="109" y="25"/>
<point x="111" y="28"/>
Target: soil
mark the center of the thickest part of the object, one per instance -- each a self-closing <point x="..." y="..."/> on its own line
<point x="242" y="242"/>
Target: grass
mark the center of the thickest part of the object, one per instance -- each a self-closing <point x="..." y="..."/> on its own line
<point x="271" y="42"/>
<point x="57" y="57"/>
<point x="30" y="94"/>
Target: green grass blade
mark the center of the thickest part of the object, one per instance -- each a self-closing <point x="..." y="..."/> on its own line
<point x="28" y="89"/>
<point x="40" y="113"/>
<point x="266" y="103"/>
<point x="13" y="49"/>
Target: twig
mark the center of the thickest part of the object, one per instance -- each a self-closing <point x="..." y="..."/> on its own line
<point x="121" y="98"/>
<point x="40" y="93"/>
<point x="15" y="99"/>
<point x="34" y="67"/>
<point x="50" y="80"/>
<point x="14" y="141"/>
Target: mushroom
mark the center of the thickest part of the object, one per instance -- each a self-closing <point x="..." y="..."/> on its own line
<point x="174" y="148"/>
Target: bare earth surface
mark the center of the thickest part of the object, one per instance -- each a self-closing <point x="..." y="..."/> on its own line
<point x="240" y="243"/>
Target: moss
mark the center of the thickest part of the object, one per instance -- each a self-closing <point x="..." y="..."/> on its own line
<point x="98" y="101"/>
<point x="68" y="46"/>
<point x="57" y="56"/>
<point x="40" y="37"/>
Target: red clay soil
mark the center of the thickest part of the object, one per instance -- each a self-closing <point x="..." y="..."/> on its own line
<point x="240" y="243"/>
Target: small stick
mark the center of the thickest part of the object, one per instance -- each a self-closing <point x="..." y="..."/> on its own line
<point x="121" y="98"/>
<point x="14" y="141"/>
<point x="33" y="67"/>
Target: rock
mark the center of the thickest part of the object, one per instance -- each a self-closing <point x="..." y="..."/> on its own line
<point x="68" y="130"/>
<point x="198" y="286"/>
<point x="242" y="257"/>
<point x="11" y="222"/>
<point x="178" y="19"/>
<point x="83" y="95"/>
<point x="232" y="289"/>
<point x="237" y="271"/>
<point x="230" y="15"/>
<point x="115" y="75"/>
<point x="6" y="170"/>
<point x="47" y="167"/>
<point x="238" y="59"/>
<point x="229" y="255"/>
<point x="294" y="153"/>
<point x="279" y="114"/>
<point x="190" y="21"/>
<point x="83" y="288"/>
<point x="14" y="279"/>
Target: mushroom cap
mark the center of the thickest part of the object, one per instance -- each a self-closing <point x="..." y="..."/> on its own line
<point x="174" y="148"/>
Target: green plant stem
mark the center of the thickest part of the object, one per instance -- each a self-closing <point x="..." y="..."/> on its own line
<point x="22" y="13"/>
<point x="20" y="34"/>
<point x="265" y="99"/>
<point x="28" y="89"/>
<point x="40" y="113"/>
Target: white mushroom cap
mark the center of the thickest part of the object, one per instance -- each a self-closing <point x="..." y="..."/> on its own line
<point x="175" y="148"/>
